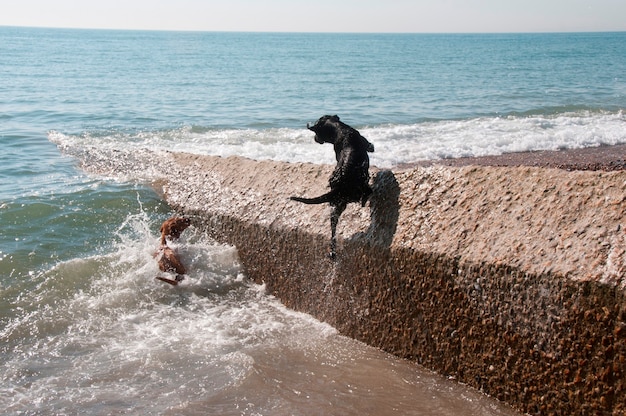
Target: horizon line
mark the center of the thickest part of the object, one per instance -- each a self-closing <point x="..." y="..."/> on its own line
<point x="538" y="32"/>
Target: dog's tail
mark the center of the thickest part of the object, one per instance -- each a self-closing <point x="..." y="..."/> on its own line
<point x="322" y="199"/>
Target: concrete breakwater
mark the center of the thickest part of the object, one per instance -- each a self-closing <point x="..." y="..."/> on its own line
<point x="508" y="279"/>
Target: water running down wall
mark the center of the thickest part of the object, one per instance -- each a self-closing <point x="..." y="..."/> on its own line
<point x="509" y="279"/>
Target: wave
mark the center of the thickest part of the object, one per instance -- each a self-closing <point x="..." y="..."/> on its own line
<point x="395" y="143"/>
<point x="497" y="135"/>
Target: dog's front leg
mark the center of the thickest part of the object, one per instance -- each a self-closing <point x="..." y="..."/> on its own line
<point x="334" y="220"/>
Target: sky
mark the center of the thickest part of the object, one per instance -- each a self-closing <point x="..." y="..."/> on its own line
<point x="412" y="16"/>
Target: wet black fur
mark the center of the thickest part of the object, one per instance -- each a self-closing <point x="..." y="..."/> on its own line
<point x="350" y="179"/>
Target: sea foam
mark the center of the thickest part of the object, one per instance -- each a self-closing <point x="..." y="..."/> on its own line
<point x="395" y="143"/>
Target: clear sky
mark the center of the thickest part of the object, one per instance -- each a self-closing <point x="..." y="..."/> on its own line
<point x="322" y="15"/>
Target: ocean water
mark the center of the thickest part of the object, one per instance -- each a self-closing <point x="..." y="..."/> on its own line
<point x="85" y="328"/>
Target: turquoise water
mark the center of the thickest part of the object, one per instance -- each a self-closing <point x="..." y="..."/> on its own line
<point x="84" y="326"/>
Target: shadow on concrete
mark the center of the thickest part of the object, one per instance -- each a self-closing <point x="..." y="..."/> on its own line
<point x="384" y="210"/>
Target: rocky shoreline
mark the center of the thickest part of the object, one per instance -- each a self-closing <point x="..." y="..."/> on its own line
<point x="506" y="273"/>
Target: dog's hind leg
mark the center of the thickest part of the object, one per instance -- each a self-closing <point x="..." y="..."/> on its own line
<point x="334" y="220"/>
<point x="367" y="192"/>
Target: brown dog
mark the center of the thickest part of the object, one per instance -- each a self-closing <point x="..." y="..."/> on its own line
<point x="166" y="257"/>
<point x="173" y="228"/>
<point x="169" y="262"/>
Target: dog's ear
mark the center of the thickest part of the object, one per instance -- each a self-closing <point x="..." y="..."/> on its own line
<point x="335" y="118"/>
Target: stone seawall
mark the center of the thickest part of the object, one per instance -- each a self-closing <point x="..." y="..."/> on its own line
<point x="508" y="279"/>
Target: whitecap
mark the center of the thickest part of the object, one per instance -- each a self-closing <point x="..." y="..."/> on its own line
<point x="395" y="143"/>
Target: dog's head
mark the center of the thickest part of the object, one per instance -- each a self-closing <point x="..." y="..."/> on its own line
<point x="325" y="129"/>
<point x="173" y="227"/>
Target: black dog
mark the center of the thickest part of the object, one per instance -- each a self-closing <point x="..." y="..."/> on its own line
<point x="350" y="179"/>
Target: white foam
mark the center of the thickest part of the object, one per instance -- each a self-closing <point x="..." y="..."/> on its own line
<point x="494" y="136"/>
<point x="394" y="143"/>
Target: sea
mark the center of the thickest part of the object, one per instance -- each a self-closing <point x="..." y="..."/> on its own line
<point x="84" y="326"/>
